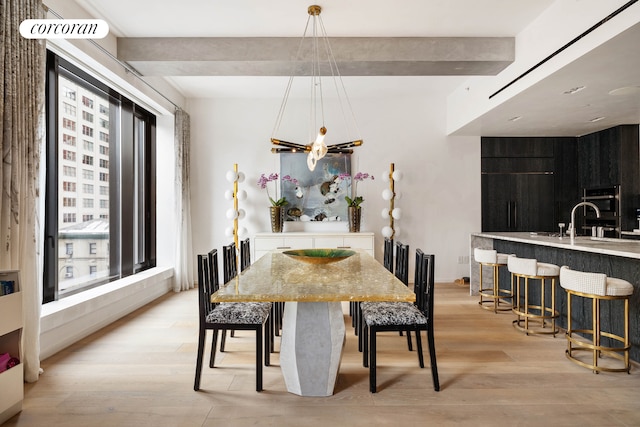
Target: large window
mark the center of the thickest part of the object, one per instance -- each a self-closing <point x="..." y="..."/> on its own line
<point x="113" y="237"/>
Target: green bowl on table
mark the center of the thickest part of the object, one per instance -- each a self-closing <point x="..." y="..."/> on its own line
<point x="319" y="256"/>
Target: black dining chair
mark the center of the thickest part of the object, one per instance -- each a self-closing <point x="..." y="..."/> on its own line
<point x="222" y="316"/>
<point x="402" y="273"/>
<point x="354" y="308"/>
<point x="388" y="254"/>
<point x="230" y="270"/>
<point x="402" y="316"/>
<point x="245" y="254"/>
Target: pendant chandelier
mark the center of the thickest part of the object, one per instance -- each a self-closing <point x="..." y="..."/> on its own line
<point x="322" y="65"/>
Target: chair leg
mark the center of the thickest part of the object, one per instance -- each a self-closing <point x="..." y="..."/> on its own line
<point x="268" y="343"/>
<point x="259" y="359"/>
<point x="214" y="341"/>
<point x="223" y="340"/>
<point x="409" y="344"/>
<point x="419" y="344"/>
<point x="432" y="354"/>
<point x="372" y="361"/>
<point x="365" y="345"/>
<point x="201" y="338"/>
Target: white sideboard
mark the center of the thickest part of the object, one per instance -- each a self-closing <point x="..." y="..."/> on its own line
<point x="11" y="380"/>
<point x="266" y="242"/>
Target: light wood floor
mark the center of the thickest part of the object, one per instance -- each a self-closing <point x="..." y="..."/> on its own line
<point x="139" y="372"/>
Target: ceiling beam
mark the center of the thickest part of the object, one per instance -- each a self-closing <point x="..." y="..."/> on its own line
<point x="355" y="56"/>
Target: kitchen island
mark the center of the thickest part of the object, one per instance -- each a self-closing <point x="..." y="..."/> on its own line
<point x="614" y="257"/>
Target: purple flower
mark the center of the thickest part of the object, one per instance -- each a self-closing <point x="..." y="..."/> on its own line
<point x="264" y="180"/>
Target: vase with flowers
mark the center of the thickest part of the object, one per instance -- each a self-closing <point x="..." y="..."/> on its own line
<point x="277" y="203"/>
<point x="353" y="203"/>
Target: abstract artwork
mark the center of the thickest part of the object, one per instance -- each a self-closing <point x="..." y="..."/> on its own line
<point x="319" y="195"/>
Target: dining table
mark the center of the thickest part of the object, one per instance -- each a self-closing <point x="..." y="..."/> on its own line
<point x="313" y="326"/>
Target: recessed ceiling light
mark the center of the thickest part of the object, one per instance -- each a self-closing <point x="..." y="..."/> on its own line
<point x="515" y="118"/>
<point x="596" y="119"/>
<point x="574" y="90"/>
<point x="626" y="90"/>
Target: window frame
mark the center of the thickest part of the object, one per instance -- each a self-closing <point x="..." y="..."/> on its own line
<point x="120" y="176"/>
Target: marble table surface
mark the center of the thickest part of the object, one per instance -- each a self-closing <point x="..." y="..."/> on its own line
<point x="276" y="277"/>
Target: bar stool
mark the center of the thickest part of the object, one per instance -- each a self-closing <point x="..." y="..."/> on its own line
<point x="493" y="298"/>
<point x="531" y="318"/>
<point x="597" y="287"/>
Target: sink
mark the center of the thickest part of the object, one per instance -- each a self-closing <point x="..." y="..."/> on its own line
<point x="587" y="240"/>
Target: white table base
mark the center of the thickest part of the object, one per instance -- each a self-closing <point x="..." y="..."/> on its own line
<point x="313" y="336"/>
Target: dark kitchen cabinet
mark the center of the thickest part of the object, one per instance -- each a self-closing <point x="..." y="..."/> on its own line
<point x="520" y="179"/>
<point x="518" y="202"/>
<point x="610" y="158"/>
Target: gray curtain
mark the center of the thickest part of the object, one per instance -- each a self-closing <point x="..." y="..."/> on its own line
<point x="183" y="276"/>
<point x="21" y="136"/>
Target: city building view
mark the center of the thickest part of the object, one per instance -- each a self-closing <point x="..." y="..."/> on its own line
<point x="83" y="187"/>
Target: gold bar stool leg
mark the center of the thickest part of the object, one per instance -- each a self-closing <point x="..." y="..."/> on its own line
<point x="597" y="287"/>
<point x="492" y="298"/>
<point x="532" y="318"/>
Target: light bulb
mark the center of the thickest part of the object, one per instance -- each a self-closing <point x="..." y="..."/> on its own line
<point x="241" y="176"/>
<point x="397" y="175"/>
<point x="242" y="231"/>
<point x="232" y="214"/>
<point x="396" y="213"/>
<point x="242" y="195"/>
<point x="385" y="213"/>
<point x="387" y="231"/>
<point x="241" y="213"/>
<point x="387" y="194"/>
<point x="399" y="195"/>
<point x="228" y="195"/>
<point x="232" y="176"/>
<point x="385" y="176"/>
<point x="228" y="231"/>
<point x="397" y="232"/>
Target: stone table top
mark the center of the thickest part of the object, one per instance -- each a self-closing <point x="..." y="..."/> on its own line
<point x="276" y="277"/>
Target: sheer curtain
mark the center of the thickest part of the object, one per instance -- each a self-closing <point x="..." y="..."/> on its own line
<point x="183" y="277"/>
<point x="21" y="135"/>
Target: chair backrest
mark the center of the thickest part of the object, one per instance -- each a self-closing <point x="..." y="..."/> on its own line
<point x="245" y="254"/>
<point x="424" y="282"/>
<point x="205" y="289"/>
<point x="229" y="262"/>
<point x="388" y="254"/>
<point x="402" y="263"/>
<point x="214" y="278"/>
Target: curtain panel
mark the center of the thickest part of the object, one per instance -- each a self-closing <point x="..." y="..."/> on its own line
<point x="21" y="138"/>
<point x="184" y="276"/>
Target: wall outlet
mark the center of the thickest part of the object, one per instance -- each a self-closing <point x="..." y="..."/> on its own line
<point x="463" y="259"/>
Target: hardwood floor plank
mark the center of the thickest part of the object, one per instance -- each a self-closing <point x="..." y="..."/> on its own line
<point x="139" y="372"/>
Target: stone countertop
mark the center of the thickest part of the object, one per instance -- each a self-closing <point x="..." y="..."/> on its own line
<point x="617" y="247"/>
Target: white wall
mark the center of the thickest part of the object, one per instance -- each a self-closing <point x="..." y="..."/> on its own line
<point x="441" y="189"/>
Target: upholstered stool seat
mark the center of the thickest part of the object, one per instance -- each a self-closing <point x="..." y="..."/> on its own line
<point x="493" y="298"/>
<point x="597" y="287"/>
<point x="533" y="318"/>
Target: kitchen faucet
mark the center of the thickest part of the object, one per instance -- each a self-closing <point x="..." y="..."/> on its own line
<point x="572" y="225"/>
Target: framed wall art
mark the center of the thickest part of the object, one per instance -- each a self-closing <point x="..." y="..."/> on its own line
<point x="319" y="195"/>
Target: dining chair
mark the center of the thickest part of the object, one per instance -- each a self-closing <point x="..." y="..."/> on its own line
<point x="403" y="316"/>
<point x="245" y="254"/>
<point x="222" y="316"/>
<point x="388" y="254"/>
<point x="402" y="273"/>
<point x="230" y="270"/>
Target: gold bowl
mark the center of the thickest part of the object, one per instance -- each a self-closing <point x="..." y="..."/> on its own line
<point x="319" y="256"/>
